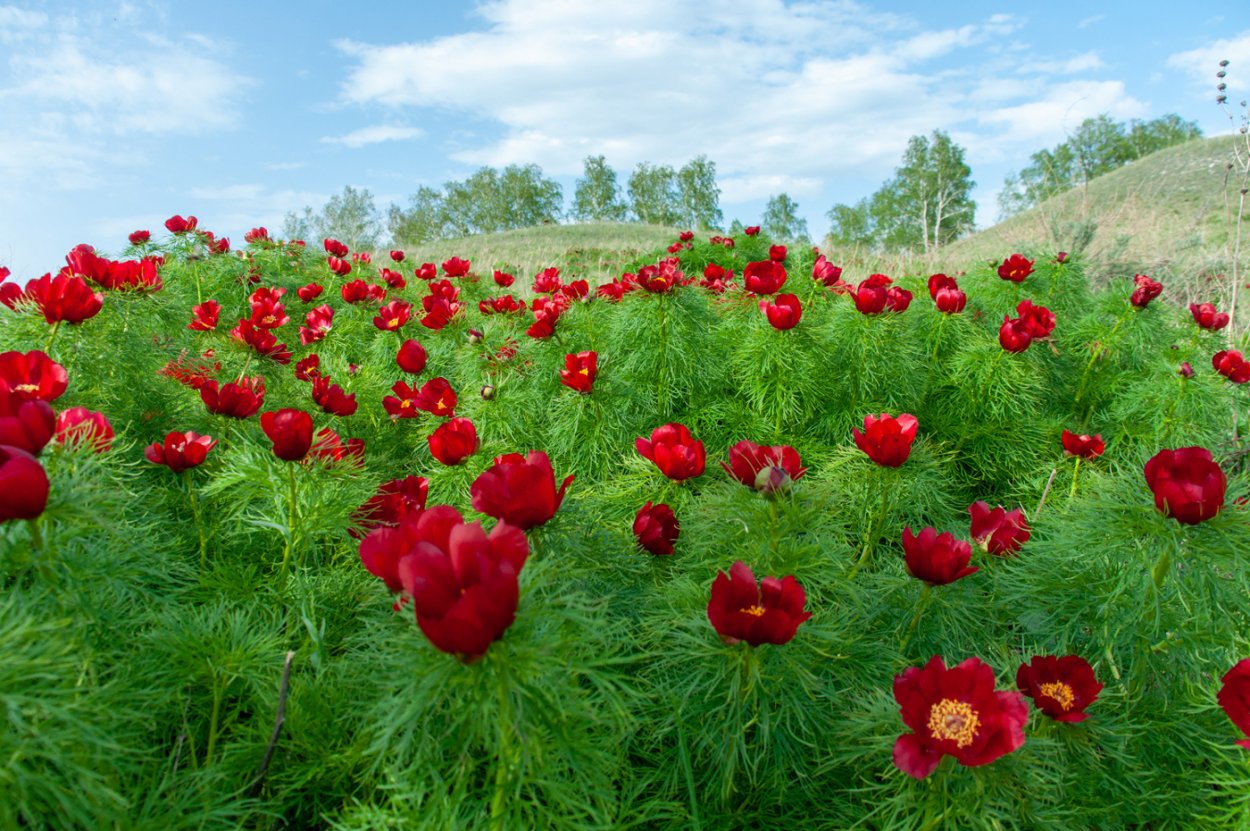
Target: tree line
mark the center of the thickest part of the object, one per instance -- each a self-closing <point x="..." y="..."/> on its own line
<point x="925" y="205"/>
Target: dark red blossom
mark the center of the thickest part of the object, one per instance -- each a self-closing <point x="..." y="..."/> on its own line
<point x="139" y="237"/>
<point x="267" y="309"/>
<point x="291" y="432"/>
<point x="656" y="528"/>
<point x="308" y="368"/>
<point x="1231" y="365"/>
<point x="78" y="425"/>
<point x="317" y="324"/>
<point x="310" y="292"/>
<point x="257" y="235"/>
<point x="1233" y="697"/>
<point x="237" y="399"/>
<point x="180" y="451"/>
<point x="1187" y="484"/>
<point x="519" y="490"/>
<point x="176" y="224"/>
<point x="64" y="298"/>
<point x="32" y="375"/>
<point x="1061" y="687"/>
<point x="1015" y="268"/>
<point x="439" y="311"/>
<point x="393" y="279"/>
<point x="829" y="275"/>
<point x="334" y="248"/>
<point x="1087" y="447"/>
<point x="204" y="316"/>
<point x="358" y="291"/>
<point x="503" y="279"/>
<point x="579" y="371"/>
<point x="870" y="294"/>
<point x="950" y="300"/>
<point x="25" y="423"/>
<point x="397" y="256"/>
<point x="575" y="289"/>
<point x="426" y="271"/>
<point x="937" y="559"/>
<point x="436" y="397"/>
<point x="998" y="531"/>
<point x="389" y="505"/>
<point x="771" y="612"/>
<point x="955" y="712"/>
<point x="403" y="403"/>
<point x="777" y="253"/>
<point x="262" y="341"/>
<point x="1145" y="291"/>
<point x="1039" y="321"/>
<point x="455" y="267"/>
<point x="885" y="439"/>
<point x="504" y="304"/>
<point x="784" y="313"/>
<point x="660" y="278"/>
<point x="454" y="441"/>
<point x="1205" y="316"/>
<point x="332" y="398"/>
<point x="751" y="230"/>
<point x="764" y="277"/>
<point x="411" y="357"/>
<point x="937" y="282"/>
<point x="340" y="267"/>
<point x="547" y="281"/>
<point x="897" y="299"/>
<point x="393" y="315"/>
<point x="674" y="451"/>
<point x="764" y="468"/>
<point x="1014" y="335"/>
<point x="23" y="485"/>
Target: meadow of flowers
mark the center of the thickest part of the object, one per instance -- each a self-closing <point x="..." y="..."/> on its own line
<point x="298" y="537"/>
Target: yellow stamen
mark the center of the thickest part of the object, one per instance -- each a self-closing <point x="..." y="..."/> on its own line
<point x="953" y="720"/>
<point x="1060" y="692"/>
<point x="26" y="388"/>
<point x="584" y="371"/>
<point x="753" y="611"/>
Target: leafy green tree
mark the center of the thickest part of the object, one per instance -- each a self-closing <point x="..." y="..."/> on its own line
<point x="653" y="194"/>
<point x="781" y="219"/>
<point x="490" y="200"/>
<point x="852" y="225"/>
<point x="528" y="198"/>
<point x="699" y="194"/>
<point x="350" y="217"/>
<point x="424" y="221"/>
<point x="597" y="197"/>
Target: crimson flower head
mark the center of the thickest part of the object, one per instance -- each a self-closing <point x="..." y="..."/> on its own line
<point x="1206" y="316"/>
<point x="436" y="397"/>
<point x="65" y="298"/>
<point x="937" y="559"/>
<point x="1015" y="268"/>
<point x="897" y="299"/>
<point x="998" y="531"/>
<point x="674" y="451"/>
<point x="425" y="271"/>
<point x="257" y="235"/>
<point x="1231" y="365"/>
<point x="393" y="315"/>
<point x="32" y="375"/>
<point x="1145" y="291"/>
<point x="23" y="485"/>
<point x="1015" y="335"/>
<point x="204" y="316"/>
<point x="870" y="295"/>
<point x="310" y="292"/>
<point x="937" y="282"/>
<point x="777" y="253"/>
<point x="456" y="267"/>
<point x="656" y="528"/>
<point x="1060" y="687"/>
<point x="319" y="321"/>
<point x="237" y="399"/>
<point x="751" y="230"/>
<point x="771" y="612"/>
<point x="411" y="357"/>
<point x="334" y="248"/>
<point x="397" y="256"/>
<point x="885" y="439"/>
<point x="1233" y="697"/>
<point x="139" y="237"/>
<point x="547" y="281"/>
<point x="27" y="424"/>
<point x="1039" y="320"/>
<point x="1087" y="447"/>
<point x="828" y="274"/>
<point x="454" y="441"/>
<point x="180" y="451"/>
<point x="764" y="277"/>
<point x="176" y="224"/>
<point x="331" y="398"/>
<point x="503" y="279"/>
<point x="784" y="313"/>
<point x="267" y="309"/>
<point x="78" y="425"/>
<point x="291" y="432"/>
<point x="955" y="712"/>
<point x="660" y="278"/>
<point x="579" y="371"/>
<point x="519" y="490"/>
<point x="390" y="504"/>
<point x="261" y="340"/>
<point x="950" y="301"/>
<point x="767" y="469"/>
<point x="1187" y="484"/>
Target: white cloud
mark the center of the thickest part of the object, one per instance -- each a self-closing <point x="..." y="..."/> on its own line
<point x="17" y="25"/>
<point x="1202" y="63"/>
<point x="375" y="135"/>
<point x="1085" y="23"/>
<point x="1048" y="120"/>
<point x="1079" y="63"/>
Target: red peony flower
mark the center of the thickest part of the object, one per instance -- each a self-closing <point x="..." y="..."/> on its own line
<point x="1187" y="484"/>
<point x="1233" y="697"/>
<point x="897" y="299"/>
<point x="23" y="485"/>
<point x="829" y="275"/>
<point x="436" y="397"/>
<point x="393" y="315"/>
<point x="579" y="371"/>
<point x="204" y="316"/>
<point x="674" y="451"/>
<point x="1087" y="447"/>
<point x="519" y="490"/>
<point x="777" y="253"/>
<point x="547" y="281"/>
<point x="764" y="277"/>
<point x="334" y="248"/>
<point x="1204" y="314"/>
<point x="393" y="279"/>
<point x="1145" y="291"/>
<point x="310" y="292"/>
<point x="64" y="298"/>
<point x="456" y="267"/>
<point x="25" y="423"/>
<point x="140" y="237"/>
<point x="329" y="446"/>
<point x="870" y="294"/>
<point x="318" y="323"/>
<point x="177" y="225"/>
<point x="937" y="559"/>
<point x="503" y="279"/>
<point x="575" y="289"/>
<point x="1232" y="366"/>
<point x="78" y="425"/>
<point x="1060" y="687"/>
<point x="661" y="278"/>
<point x="656" y="529"/>
<point x="751" y="230"/>
<point x="411" y="357"/>
<point x="454" y="441"/>
<point x="403" y="403"/>
<point x="784" y="313"/>
<point x="257" y="235"/>
<point x="237" y="399"/>
<point x="291" y="432"/>
<point x="397" y="256"/>
<point x="1039" y="320"/>
<point x="32" y="375"/>
<point x="938" y="282"/>
<point x="267" y="310"/>
<point x="1015" y="268"/>
<point x="390" y="504"/>
<point x="180" y="451"/>
<point x="767" y="469"/>
<point x="331" y="398"/>
<point x="439" y="311"/>
<point x="887" y="440"/>
<point x="998" y="531"/>
<point x="768" y="613"/>
<point x="262" y="341"/>
<point x="955" y="712"/>
<point x="504" y="304"/>
<point x="426" y="271"/>
<point x="1014" y="335"/>
<point x="950" y="300"/>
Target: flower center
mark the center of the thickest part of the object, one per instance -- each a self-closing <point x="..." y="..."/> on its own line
<point x="753" y="611"/>
<point x="392" y="323"/>
<point x="1060" y="692"/>
<point x="441" y="405"/>
<point x="584" y="371"/>
<point x="268" y="319"/>
<point x="26" y="388"/>
<point x="405" y="404"/>
<point x="952" y="720"/>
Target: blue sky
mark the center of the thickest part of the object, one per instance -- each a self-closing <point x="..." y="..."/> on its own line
<point x="115" y="115"/>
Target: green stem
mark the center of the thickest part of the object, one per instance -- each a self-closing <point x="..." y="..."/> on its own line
<point x="213" y="723"/>
<point x="871" y="542"/>
<point x="926" y="596"/>
<point x="662" y="375"/>
<point x="199" y="524"/>
<point x="290" y="538"/>
<point x="1076" y="471"/>
<point x="504" y="762"/>
<point x="47" y="347"/>
<point x="36" y="534"/>
<point x="937" y="339"/>
<point x="772" y="524"/>
<point x="1080" y="390"/>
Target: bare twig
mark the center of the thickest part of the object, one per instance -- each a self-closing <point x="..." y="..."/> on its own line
<point x="1046" y="492"/>
<point x="284" y="687"/>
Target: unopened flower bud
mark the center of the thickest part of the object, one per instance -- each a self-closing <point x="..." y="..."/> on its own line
<point x="1186" y="370"/>
<point x="475" y="336"/>
<point x="488" y="392"/>
<point x="771" y="480"/>
<point x="1061" y="257"/>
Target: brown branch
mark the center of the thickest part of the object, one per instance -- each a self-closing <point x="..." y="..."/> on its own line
<point x="1046" y="492"/>
<point x="284" y="687"/>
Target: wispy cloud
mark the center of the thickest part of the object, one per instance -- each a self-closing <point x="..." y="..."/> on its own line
<point x="374" y="135"/>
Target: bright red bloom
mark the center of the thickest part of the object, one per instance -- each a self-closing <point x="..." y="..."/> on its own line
<point x="177" y="225"/>
<point x="455" y="267"/>
<point x="579" y="371"/>
<point x="1146" y="291"/>
<point x="998" y="531"/>
<point x="261" y="340"/>
<point x="764" y="277"/>
<point x="204" y="316"/>
<point x="257" y="235"/>
<point x="291" y="432"/>
<point x="454" y="441"/>
<point x="751" y="230"/>
<point x="612" y="292"/>
<point x="310" y="292"/>
<point x="544" y="325"/>
<point x="439" y="311"/>
<point x="1233" y="697"/>
<point x="771" y="612"/>
<point x="937" y="559"/>
<point x="64" y="298"/>
<point x="955" y="712"/>
<point x="1015" y="268"/>
<point x="656" y="529"/>
<point x="267" y="309"/>
<point x="505" y="304"/>
<point x="139" y="237"/>
<point x="1087" y="447"/>
<point x="334" y="248"/>
<point x="180" y="450"/>
<point x="25" y="423"/>
<point x="426" y="271"/>
<point x="887" y="440"/>
<point x="897" y="299"/>
<point x="389" y="505"/>
<point x="362" y="257"/>
<point x="237" y="399"/>
<point x="1231" y="365"/>
<point x="870" y="294"/>
<point x="340" y="267"/>
<point x="1187" y="484"/>
<point x="547" y="281"/>
<point x="937" y="282"/>
<point x="403" y="403"/>
<point x="575" y="289"/>
<point x="762" y="467"/>
<point x="777" y="253"/>
<point x="308" y="368"/>
<point x="358" y="291"/>
<point x="32" y="375"/>
<point x="661" y="278"/>
<point x="332" y="398"/>
<point x="1060" y="687"/>
<point x="784" y="313"/>
<point x="519" y="490"/>
<point x="436" y="397"/>
<point x="411" y="357"/>
<point x="393" y="315"/>
<point x="23" y="485"/>
<point x="1039" y="320"/>
<point x="393" y="279"/>
<point x="1014" y="335"/>
<point x="78" y="425"/>
<point x="330" y="447"/>
<point x="397" y="256"/>
<point x="318" y="323"/>
<point x="1204" y="314"/>
<point x="503" y="279"/>
<point x="674" y="451"/>
<point x="829" y="275"/>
